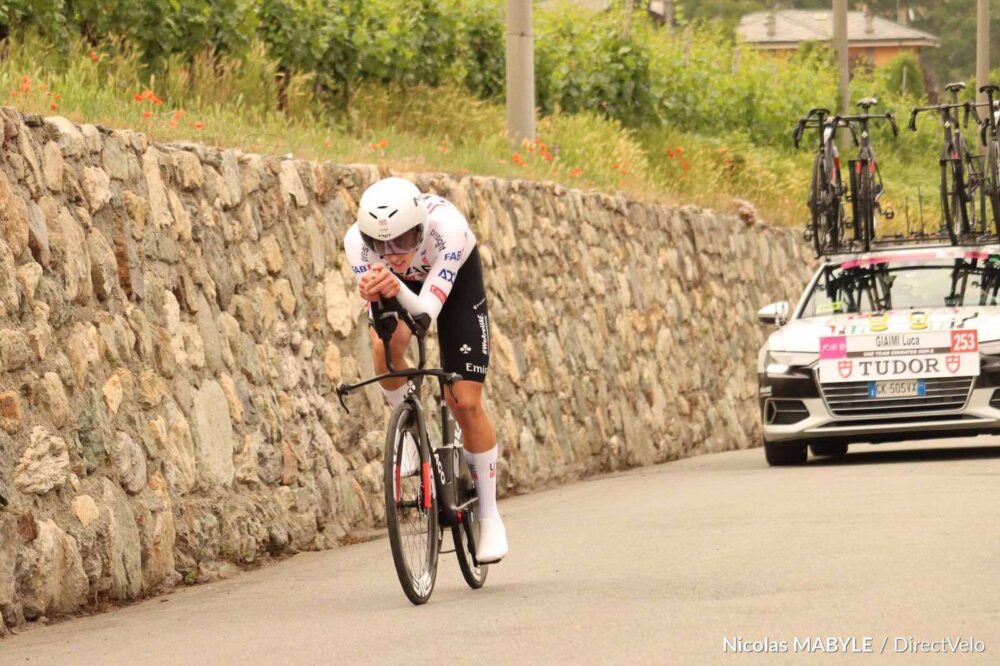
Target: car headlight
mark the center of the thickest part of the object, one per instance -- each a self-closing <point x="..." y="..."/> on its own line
<point x="990" y="348"/>
<point x="778" y="363"/>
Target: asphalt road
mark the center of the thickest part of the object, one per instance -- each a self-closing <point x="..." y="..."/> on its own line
<point x="659" y="565"/>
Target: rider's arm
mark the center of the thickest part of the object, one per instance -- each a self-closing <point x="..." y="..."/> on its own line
<point x="358" y="256"/>
<point x="458" y="242"/>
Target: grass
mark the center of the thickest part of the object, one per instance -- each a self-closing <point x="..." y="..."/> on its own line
<point x="225" y="102"/>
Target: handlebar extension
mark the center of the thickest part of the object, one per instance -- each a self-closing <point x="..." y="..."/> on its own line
<point x="892" y="123"/>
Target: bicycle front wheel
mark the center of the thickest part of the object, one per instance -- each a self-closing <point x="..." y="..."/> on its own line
<point x="411" y="509"/>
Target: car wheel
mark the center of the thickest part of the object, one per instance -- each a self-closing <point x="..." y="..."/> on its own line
<point x="785" y="453"/>
<point x="829" y="449"/>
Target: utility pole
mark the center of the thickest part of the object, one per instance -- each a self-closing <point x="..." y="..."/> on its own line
<point x="520" y="73"/>
<point x="843" y="65"/>
<point x="840" y="47"/>
<point x="982" y="47"/>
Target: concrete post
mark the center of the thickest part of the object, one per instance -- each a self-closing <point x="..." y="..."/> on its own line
<point x="840" y="47"/>
<point x="520" y="73"/>
<point x="843" y="64"/>
<point x="982" y="46"/>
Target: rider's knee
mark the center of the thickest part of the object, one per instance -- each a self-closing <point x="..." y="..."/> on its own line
<point x="400" y="340"/>
<point x="397" y="344"/>
<point x="467" y="410"/>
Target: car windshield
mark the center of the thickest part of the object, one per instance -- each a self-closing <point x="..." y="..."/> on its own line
<point x="902" y="285"/>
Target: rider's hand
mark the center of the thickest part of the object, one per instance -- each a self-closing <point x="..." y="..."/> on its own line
<point x="364" y="287"/>
<point x="379" y="282"/>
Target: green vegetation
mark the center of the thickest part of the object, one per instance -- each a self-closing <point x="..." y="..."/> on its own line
<point x="686" y="116"/>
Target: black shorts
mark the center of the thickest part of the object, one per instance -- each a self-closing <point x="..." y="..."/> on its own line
<point x="464" y="323"/>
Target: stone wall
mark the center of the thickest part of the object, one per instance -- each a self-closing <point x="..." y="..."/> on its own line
<point x="173" y="319"/>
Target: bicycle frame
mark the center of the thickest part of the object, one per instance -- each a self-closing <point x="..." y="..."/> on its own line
<point x="826" y="190"/>
<point x="967" y="174"/>
<point x="990" y="140"/>
<point x="864" y="229"/>
<point x="446" y="470"/>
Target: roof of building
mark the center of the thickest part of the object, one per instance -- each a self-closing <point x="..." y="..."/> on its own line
<point x="792" y="26"/>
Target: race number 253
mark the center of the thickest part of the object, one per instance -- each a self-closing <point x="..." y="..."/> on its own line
<point x="964" y="341"/>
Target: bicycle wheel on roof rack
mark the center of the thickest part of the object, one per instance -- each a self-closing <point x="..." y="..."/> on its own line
<point x="865" y="206"/>
<point x="992" y="183"/>
<point x="952" y="205"/>
<point x="972" y="169"/>
<point x="824" y="209"/>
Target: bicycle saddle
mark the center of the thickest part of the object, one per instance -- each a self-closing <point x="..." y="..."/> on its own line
<point x="989" y="87"/>
<point x="955" y="87"/>
<point x="868" y="103"/>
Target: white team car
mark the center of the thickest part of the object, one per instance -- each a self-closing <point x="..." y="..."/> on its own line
<point x="896" y="344"/>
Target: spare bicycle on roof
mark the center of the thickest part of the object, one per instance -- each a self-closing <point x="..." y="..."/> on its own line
<point x="830" y="230"/>
<point x="969" y="177"/>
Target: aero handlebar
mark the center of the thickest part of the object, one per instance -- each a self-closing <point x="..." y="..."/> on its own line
<point x="800" y="127"/>
<point x="386" y="315"/>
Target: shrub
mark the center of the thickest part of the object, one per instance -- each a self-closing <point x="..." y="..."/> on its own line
<point x="904" y="76"/>
<point x="481" y="48"/>
<point x="584" y="62"/>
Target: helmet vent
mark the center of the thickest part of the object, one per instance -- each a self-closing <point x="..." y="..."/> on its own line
<point x="393" y="213"/>
<point x="374" y="216"/>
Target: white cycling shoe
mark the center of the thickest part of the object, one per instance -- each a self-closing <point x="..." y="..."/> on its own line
<point x="492" y="545"/>
<point x="410" y="464"/>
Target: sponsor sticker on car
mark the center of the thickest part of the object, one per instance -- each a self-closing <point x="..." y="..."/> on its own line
<point x="898" y="355"/>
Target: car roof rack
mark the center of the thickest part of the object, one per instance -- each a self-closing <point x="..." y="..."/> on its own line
<point x="914" y="239"/>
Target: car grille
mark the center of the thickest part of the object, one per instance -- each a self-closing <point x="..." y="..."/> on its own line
<point x="851" y="398"/>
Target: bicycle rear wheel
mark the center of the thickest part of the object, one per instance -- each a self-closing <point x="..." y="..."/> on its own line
<point x="411" y="510"/>
<point x="466" y="534"/>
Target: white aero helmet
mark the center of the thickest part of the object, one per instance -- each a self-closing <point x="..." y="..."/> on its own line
<point x="391" y="217"/>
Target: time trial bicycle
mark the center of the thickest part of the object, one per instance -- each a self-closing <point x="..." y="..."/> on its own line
<point x="442" y="494"/>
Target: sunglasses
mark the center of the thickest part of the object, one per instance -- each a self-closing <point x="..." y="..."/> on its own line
<point x="408" y="241"/>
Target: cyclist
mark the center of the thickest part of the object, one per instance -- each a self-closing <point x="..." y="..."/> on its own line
<point x="419" y="249"/>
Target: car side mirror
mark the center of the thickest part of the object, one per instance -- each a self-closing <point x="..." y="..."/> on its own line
<point x="775" y="313"/>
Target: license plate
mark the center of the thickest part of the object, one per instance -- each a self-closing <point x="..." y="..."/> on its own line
<point x="899" y="388"/>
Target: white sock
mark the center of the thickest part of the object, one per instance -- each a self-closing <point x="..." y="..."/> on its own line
<point x="484" y="473"/>
<point x="395" y="396"/>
